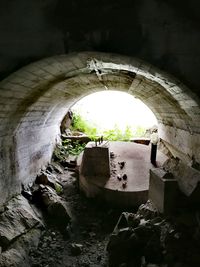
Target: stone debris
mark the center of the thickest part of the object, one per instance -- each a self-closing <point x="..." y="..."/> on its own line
<point x="119" y="177"/>
<point x="139" y="239"/>
<point x="121" y="164"/>
<point x="142" y="240"/>
<point x="89" y="227"/>
<point x="27" y="193"/>
<point x="112" y="154"/>
<point x="124" y="185"/>
<point x="76" y="249"/>
<point x="148" y="210"/>
<point x="124" y="177"/>
<point x="55" y="166"/>
<point x="42" y="179"/>
<point x="20" y="230"/>
<point x="49" y="179"/>
<point x="71" y="164"/>
<point x="16" y="220"/>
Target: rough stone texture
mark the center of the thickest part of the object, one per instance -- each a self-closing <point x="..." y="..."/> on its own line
<point x="16" y="220"/>
<point x="55" y="206"/>
<point x="17" y="254"/>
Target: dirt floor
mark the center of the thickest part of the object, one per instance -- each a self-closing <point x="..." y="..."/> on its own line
<point x="91" y="226"/>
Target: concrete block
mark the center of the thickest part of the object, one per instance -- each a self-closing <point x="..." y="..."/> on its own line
<point x="95" y="161"/>
<point x="163" y="190"/>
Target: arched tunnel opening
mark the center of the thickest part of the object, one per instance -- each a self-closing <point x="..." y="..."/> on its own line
<point x="110" y="109"/>
<point x="34" y="101"/>
<point x="36" y="98"/>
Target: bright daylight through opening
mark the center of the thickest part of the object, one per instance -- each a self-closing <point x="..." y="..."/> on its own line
<point x="113" y="110"/>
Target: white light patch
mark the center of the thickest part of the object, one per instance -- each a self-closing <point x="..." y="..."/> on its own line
<point x="109" y="108"/>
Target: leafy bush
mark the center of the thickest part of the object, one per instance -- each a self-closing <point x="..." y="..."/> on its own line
<point x="79" y="124"/>
<point x="116" y="134"/>
<point x="73" y="148"/>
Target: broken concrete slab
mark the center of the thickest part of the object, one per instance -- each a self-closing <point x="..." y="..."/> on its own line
<point x="187" y="177"/>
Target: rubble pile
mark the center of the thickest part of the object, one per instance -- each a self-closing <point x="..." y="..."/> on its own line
<point x="146" y="239"/>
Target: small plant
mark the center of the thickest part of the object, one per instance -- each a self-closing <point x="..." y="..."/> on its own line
<point x="58" y="188"/>
<point x="73" y="148"/>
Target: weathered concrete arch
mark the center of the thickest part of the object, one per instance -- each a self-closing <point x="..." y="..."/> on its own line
<point x="35" y="99"/>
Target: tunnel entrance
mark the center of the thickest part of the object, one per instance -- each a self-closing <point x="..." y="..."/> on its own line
<point x="34" y="101"/>
<point x="115" y="115"/>
<point x="43" y="92"/>
<point x="36" y="98"/>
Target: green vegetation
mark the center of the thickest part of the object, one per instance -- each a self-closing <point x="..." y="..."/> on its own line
<point x="80" y="124"/>
<point x="68" y="147"/>
<point x="118" y="135"/>
<point x="58" y="188"/>
<point x="73" y="148"/>
<point x="61" y="152"/>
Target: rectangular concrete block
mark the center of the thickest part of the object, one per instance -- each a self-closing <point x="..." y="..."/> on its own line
<point x="163" y="190"/>
<point x="95" y="161"/>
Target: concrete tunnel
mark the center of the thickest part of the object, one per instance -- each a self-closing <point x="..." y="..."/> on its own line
<point x="52" y="54"/>
<point x="35" y="99"/>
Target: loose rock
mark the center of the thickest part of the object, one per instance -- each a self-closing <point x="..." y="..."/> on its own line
<point x="76" y="249"/>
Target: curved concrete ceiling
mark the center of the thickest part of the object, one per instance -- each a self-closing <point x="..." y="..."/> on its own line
<point x="35" y="99"/>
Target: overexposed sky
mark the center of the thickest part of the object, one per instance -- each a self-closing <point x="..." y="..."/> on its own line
<point x="109" y="108"/>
